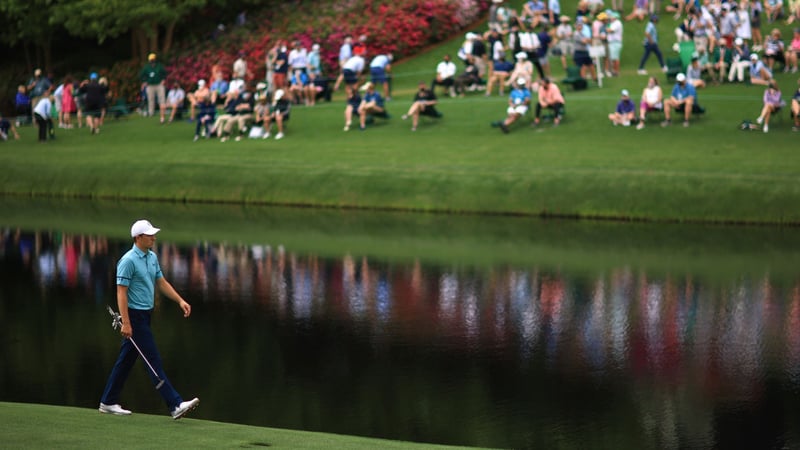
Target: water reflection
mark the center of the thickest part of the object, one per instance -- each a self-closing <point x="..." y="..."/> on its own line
<point x="683" y="361"/>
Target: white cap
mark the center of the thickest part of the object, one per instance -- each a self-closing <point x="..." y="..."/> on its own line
<point x="738" y="41"/>
<point x="143" y="227"/>
<point x="625" y="93"/>
<point x="201" y="83"/>
<point x="521" y="81"/>
<point x="278" y="94"/>
<point x="681" y="77"/>
<point x="315" y="47"/>
<point x="521" y="55"/>
<point x="471" y="35"/>
<point x="754" y="56"/>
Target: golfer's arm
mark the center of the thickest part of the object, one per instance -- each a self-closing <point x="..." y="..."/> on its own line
<point x="122" y="303"/>
<point x="166" y="288"/>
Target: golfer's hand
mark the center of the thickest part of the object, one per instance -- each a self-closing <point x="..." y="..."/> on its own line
<point x="126" y="331"/>
<point x="187" y="308"/>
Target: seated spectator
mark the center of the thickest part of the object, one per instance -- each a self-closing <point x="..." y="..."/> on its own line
<point x="652" y="100"/>
<point x="774" y="50"/>
<point x="219" y="88"/>
<point x="773" y="9"/>
<point x="175" y="98"/>
<point x="793" y="53"/>
<point x="796" y="108"/>
<point x="22" y="105"/>
<point x="469" y="79"/>
<point x="314" y="74"/>
<point x="794" y="12"/>
<point x="379" y="69"/>
<point x="519" y="100"/>
<point x="424" y="104"/>
<point x="640" y="11"/>
<point x="6" y="128"/>
<point x="739" y="61"/>
<point x="352" y="104"/>
<point x="625" y="112"/>
<point x="372" y="104"/>
<point x="694" y="74"/>
<point x="759" y="74"/>
<point x="721" y="60"/>
<point x="240" y="109"/>
<point x="500" y="73"/>
<point x="299" y="85"/>
<point x="202" y="92"/>
<point x="445" y="76"/>
<point x="522" y="69"/>
<point x="549" y="97"/>
<point x="683" y="98"/>
<point x="772" y="104"/>
<point x="279" y="113"/>
<point x="206" y="113"/>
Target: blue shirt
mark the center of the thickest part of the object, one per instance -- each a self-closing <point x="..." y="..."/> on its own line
<point x="220" y="87"/>
<point x="374" y="97"/>
<point x="519" y="96"/>
<point x="652" y="31"/>
<point x="380" y="61"/>
<point x="683" y="92"/>
<point x="139" y="271"/>
<point x="626" y="106"/>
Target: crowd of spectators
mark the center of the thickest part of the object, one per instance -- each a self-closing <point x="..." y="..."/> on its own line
<point x="723" y="37"/>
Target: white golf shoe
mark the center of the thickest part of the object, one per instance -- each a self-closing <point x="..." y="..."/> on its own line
<point x="184" y="408"/>
<point x="117" y="410"/>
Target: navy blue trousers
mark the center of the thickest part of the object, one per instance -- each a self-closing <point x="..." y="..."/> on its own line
<point x="140" y="322"/>
<point x="651" y="48"/>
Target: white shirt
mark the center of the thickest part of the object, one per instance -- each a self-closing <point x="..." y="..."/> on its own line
<point x="239" y="68"/>
<point x="298" y="58"/>
<point x="651" y="94"/>
<point x="446" y="69"/>
<point x="614" y="31"/>
<point x="355" y="64"/>
<point x="380" y="61"/>
<point x="175" y="96"/>
<point x="44" y="107"/>
<point x="236" y="84"/>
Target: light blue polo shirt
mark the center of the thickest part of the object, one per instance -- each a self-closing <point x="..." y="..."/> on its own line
<point x="139" y="271"/>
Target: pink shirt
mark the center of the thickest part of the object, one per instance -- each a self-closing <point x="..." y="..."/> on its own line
<point x="795" y="44"/>
<point x="550" y="95"/>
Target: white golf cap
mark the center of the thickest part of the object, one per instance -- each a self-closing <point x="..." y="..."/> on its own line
<point x="625" y="93"/>
<point x="521" y="81"/>
<point x="143" y="227"/>
<point x="681" y="77"/>
<point x="521" y="55"/>
<point x="279" y="94"/>
<point x="754" y="56"/>
<point x="201" y="83"/>
<point x="738" y="41"/>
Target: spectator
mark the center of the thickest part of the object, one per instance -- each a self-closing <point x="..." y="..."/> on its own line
<point x="740" y="60"/>
<point x="37" y="85"/>
<point x="794" y="12"/>
<point x="625" y="111"/>
<point x="772" y="104"/>
<point x="796" y="108"/>
<point x="352" y="104"/>
<point x="564" y="42"/>
<point x="240" y="111"/>
<point x="219" y="88"/>
<point x="652" y="100"/>
<point x="755" y="24"/>
<point x="639" y="12"/>
<point x="22" y="105"/>
<point x="371" y="104"/>
<point x="42" y="114"/>
<point x="549" y="97"/>
<point x="540" y="55"/>
<point x="773" y="9"/>
<point x="465" y="51"/>
<point x="206" y="114"/>
<point x="281" y="67"/>
<point x="301" y="90"/>
<point x="651" y="45"/>
<point x="581" y="39"/>
<point x="360" y="47"/>
<point x="701" y="28"/>
<point x="728" y="22"/>
<point x="94" y="98"/>
<point x="279" y="113"/>
<point x="352" y="70"/>
<point x="744" y="29"/>
<point x="614" y="36"/>
<point x="468" y="80"/>
<point x="314" y="63"/>
<point x="240" y="66"/>
<point x="345" y="53"/>
<point x="522" y="69"/>
<point x="298" y="58"/>
<point x="68" y="106"/>
<point x="683" y="98"/>
<point x="175" y="99"/>
<point x="379" y="69"/>
<point x="793" y="54"/>
<point x="424" y="104"/>
<point x="202" y="92"/>
<point x="152" y="76"/>
<point x="6" y="128"/>
<point x="500" y="72"/>
<point x="694" y="74"/>
<point x="519" y="100"/>
<point x="759" y="74"/>
<point x="445" y="76"/>
<point x="480" y="56"/>
<point x="774" y="50"/>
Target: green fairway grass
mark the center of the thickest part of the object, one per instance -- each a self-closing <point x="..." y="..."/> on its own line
<point x="710" y="171"/>
<point x="47" y="427"/>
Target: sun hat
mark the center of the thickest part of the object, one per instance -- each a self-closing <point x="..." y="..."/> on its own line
<point x="680" y="77"/>
<point x="143" y="227"/>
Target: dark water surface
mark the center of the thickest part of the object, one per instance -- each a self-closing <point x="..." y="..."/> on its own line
<point x="644" y="347"/>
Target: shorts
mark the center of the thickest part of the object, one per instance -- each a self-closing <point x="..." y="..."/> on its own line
<point x="567" y="47"/>
<point x="581" y="58"/>
<point x="614" y="50"/>
<point x="519" y="109"/>
<point x="378" y="75"/>
<point x="646" y="107"/>
<point x="350" y="77"/>
<point x="93" y="109"/>
<point x="279" y="79"/>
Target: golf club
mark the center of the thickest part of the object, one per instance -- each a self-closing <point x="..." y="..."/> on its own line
<point x="116" y="323"/>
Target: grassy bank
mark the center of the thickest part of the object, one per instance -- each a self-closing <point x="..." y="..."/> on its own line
<point x="43" y="426"/>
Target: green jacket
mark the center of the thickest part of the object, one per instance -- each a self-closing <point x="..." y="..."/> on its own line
<point x="153" y="73"/>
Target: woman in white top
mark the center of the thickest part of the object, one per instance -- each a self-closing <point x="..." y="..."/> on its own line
<point x="522" y="69"/>
<point x="652" y="98"/>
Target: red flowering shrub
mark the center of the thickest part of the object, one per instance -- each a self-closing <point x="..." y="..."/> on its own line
<point x="400" y="27"/>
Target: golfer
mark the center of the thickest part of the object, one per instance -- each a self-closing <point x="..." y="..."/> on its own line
<point x="138" y="274"/>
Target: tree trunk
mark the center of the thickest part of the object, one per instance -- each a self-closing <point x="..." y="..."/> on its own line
<point x="47" y="51"/>
<point x="141" y="43"/>
<point x="152" y="35"/>
<point x="169" y="33"/>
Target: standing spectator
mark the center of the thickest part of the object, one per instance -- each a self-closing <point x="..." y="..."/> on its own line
<point x="625" y="111"/>
<point x="755" y="24"/>
<point x="42" y="114"/>
<point x="353" y="102"/>
<point x="728" y="22"/>
<point x="380" y="68"/>
<point x="37" y="85"/>
<point x="314" y="63"/>
<point x="480" y="55"/>
<point x="360" y="47"/>
<point x="152" y="76"/>
<point x="68" y="105"/>
<point x="651" y="45"/>
<point x="345" y="53"/>
<point x="564" y="42"/>
<point x="6" y="128"/>
<point x="175" y="99"/>
<point x="57" y="97"/>
<point x="540" y="56"/>
<point x="22" y="105"/>
<point x="240" y="66"/>
<point x="445" y="75"/>
<point x="95" y="98"/>
<point x="683" y="98"/>
<point x="424" y="104"/>
<point x="744" y="30"/>
<point x="138" y="277"/>
<point x="371" y="103"/>
<point x="701" y="29"/>
<point x="281" y="67"/>
<point x="351" y="71"/>
<point x="614" y="37"/>
<point x="549" y="97"/>
<point x="581" y="40"/>
<point x="652" y="100"/>
<point x="772" y="104"/>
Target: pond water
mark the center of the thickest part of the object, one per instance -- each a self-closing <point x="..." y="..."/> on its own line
<point x="645" y="348"/>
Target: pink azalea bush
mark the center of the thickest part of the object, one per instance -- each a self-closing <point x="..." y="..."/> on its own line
<point x="400" y="27"/>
